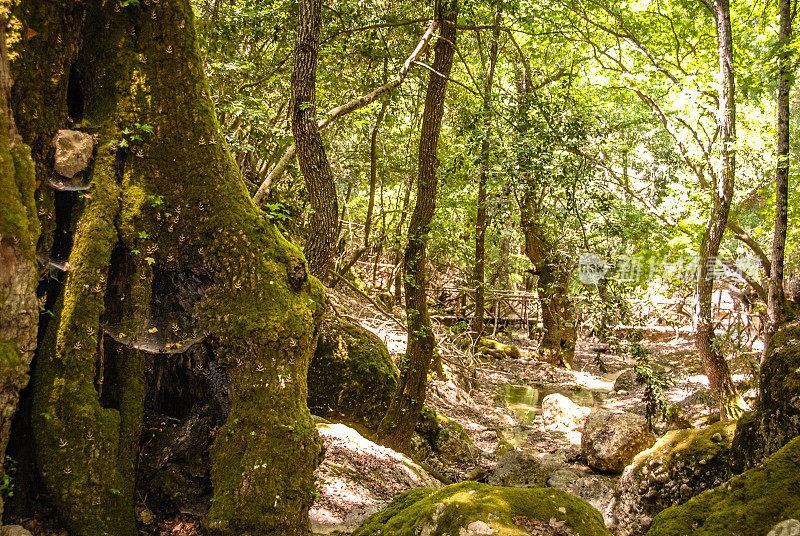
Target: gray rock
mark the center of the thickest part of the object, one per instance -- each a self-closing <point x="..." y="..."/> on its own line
<point x="73" y="152"/>
<point x="611" y="440"/>
<point x="518" y="469"/>
<point x="561" y="413"/>
<point x="357" y="478"/>
<point x="627" y="381"/>
<point x="454" y="445"/>
<point x="14" y="530"/>
<point x="562" y="478"/>
<point x="790" y="527"/>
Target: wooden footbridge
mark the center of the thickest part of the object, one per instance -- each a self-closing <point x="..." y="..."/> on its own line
<point x="503" y="307"/>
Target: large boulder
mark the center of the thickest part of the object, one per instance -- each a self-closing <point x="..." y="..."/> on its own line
<point x="561" y="413"/>
<point x="73" y="152"/>
<point x="351" y="377"/>
<point x="776" y="420"/>
<point x="679" y="466"/>
<point x="611" y="440"/>
<point x="519" y="469"/>
<point x="357" y="478"/>
<point x="751" y="504"/>
<point x="473" y="509"/>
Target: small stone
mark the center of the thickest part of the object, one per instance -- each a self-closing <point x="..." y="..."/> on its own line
<point x="14" y="530"/>
<point x="146" y="516"/>
<point x="73" y="152"/>
<point x="789" y="527"/>
<point x="476" y="528"/>
<point x="716" y="438"/>
<point x="686" y="492"/>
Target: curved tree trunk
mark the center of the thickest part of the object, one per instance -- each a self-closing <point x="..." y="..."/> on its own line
<point x="166" y="251"/>
<point x="19" y="231"/>
<point x="398" y="425"/>
<point x="324" y="224"/>
<point x="715" y="366"/>
<point x="776" y="302"/>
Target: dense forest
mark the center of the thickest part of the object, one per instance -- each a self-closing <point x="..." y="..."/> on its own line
<point x="275" y="267"/>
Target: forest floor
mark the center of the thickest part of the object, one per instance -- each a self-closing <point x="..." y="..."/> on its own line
<point x="499" y="401"/>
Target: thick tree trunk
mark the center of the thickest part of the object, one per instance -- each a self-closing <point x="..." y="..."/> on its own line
<point x="166" y="251"/>
<point x="19" y="231"/>
<point x="479" y="275"/>
<point x="715" y="366"/>
<point x="559" y="334"/>
<point x="776" y="303"/>
<point x="323" y="227"/>
<point x="398" y="425"/>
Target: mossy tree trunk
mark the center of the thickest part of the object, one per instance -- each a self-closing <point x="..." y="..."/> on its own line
<point x="398" y="425"/>
<point x="166" y="209"/>
<point x="559" y="331"/>
<point x="19" y="231"/>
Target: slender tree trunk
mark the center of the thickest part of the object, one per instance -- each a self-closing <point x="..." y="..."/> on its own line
<point x="165" y="249"/>
<point x="322" y="232"/>
<point x="373" y="170"/>
<point x="347" y="108"/>
<point x="19" y="231"/>
<point x="715" y="366"/>
<point x="776" y="304"/>
<point x="398" y="425"/>
<point x="479" y="276"/>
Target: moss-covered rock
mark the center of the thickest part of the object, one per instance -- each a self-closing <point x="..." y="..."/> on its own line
<point x="497" y="350"/>
<point x="747" y="505"/>
<point x="776" y="420"/>
<point x="445" y="438"/>
<point x="351" y="377"/>
<point x="679" y="466"/>
<point x="470" y="509"/>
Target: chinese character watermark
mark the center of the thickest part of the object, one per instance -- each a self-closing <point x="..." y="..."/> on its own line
<point x="593" y="268"/>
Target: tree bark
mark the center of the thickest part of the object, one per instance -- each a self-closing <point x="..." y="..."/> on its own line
<point x="479" y="275"/>
<point x="19" y="231"/>
<point x="346" y="108"/>
<point x="167" y="217"/>
<point x="559" y="333"/>
<point x="714" y="364"/>
<point x="373" y="170"/>
<point x="323" y="226"/>
<point x="398" y="425"/>
<point x="776" y="302"/>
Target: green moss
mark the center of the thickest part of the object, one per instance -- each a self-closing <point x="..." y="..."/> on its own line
<point x="351" y="376"/>
<point x="691" y="444"/>
<point x="497" y="349"/>
<point x="9" y="357"/>
<point x="748" y="505"/>
<point x="506" y="510"/>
